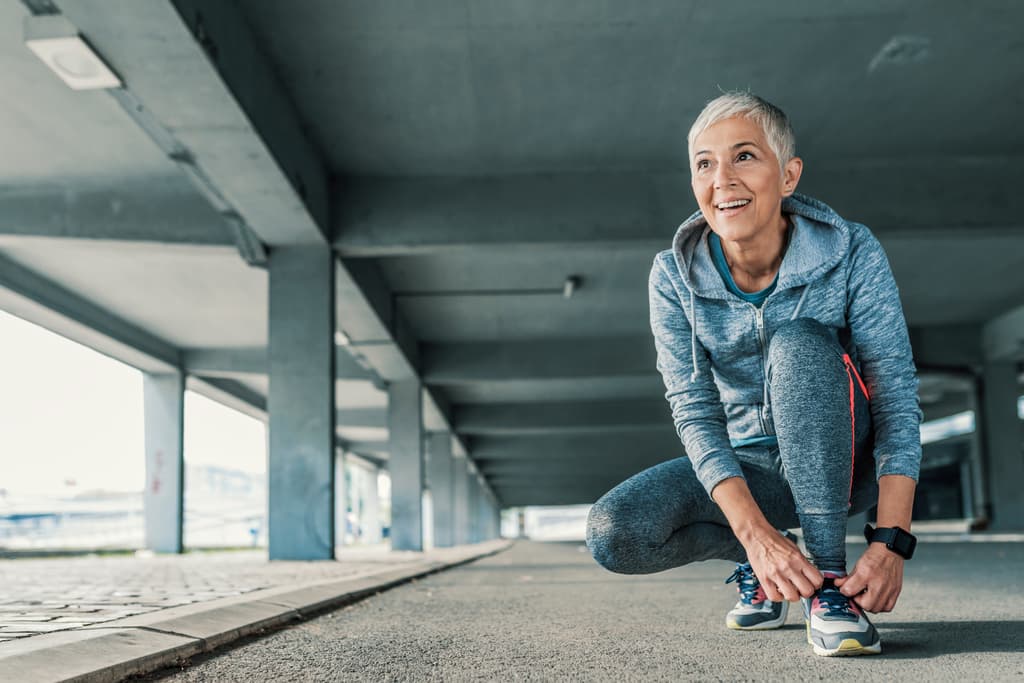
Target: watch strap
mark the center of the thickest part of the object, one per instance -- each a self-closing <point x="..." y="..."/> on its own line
<point x="901" y="542"/>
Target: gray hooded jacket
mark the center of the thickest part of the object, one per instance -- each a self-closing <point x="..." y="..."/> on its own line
<point x="713" y="346"/>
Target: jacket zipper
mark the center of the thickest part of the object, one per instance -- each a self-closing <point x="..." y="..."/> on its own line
<point x="763" y="341"/>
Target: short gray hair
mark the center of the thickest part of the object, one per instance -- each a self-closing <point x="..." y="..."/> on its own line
<point x="773" y="121"/>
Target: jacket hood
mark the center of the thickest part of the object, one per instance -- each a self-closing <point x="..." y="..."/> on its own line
<point x="820" y="240"/>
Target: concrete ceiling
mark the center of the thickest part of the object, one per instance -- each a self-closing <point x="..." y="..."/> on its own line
<point x="465" y="160"/>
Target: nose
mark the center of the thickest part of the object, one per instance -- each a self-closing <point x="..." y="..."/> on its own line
<point x="724" y="176"/>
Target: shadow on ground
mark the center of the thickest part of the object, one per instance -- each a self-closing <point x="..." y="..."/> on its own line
<point x="919" y="640"/>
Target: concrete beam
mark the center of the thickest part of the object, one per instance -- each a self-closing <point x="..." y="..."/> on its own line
<point x="127" y="213"/>
<point x="226" y="362"/>
<point x="32" y="297"/>
<point x="231" y="394"/>
<point x="553" y="418"/>
<point x="626" y="357"/>
<point x="599" y="449"/>
<point x="242" y="361"/>
<point x="369" y="448"/>
<point x="376" y="418"/>
<point x="241" y="137"/>
<point x="523" y="495"/>
<point x="384" y="217"/>
<point x="1002" y="338"/>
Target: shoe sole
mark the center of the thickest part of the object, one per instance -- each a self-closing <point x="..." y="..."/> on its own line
<point x="764" y="625"/>
<point x="847" y="648"/>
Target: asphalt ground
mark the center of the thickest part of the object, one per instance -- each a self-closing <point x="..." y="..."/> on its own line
<point x="546" y="611"/>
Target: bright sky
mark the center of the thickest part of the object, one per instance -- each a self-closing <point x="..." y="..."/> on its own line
<point x="69" y="414"/>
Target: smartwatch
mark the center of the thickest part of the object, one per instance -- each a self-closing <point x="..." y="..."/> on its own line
<point x="895" y="539"/>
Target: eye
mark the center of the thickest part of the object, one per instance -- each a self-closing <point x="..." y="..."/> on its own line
<point x="703" y="164"/>
<point x="744" y="156"/>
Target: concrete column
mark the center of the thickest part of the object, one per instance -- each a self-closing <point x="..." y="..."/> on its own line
<point x="1003" y="437"/>
<point x="372" y="523"/>
<point x="163" y="499"/>
<point x="474" y="506"/>
<point x="485" y="514"/>
<point x="980" y="508"/>
<point x="460" y="496"/>
<point x="301" y="404"/>
<point x="440" y="477"/>
<point x="340" y="498"/>
<point x="405" y="424"/>
<point x="495" y="519"/>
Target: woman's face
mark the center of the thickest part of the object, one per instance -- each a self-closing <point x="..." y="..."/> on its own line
<point x="737" y="180"/>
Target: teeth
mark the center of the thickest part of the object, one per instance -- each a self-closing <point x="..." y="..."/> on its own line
<point x="733" y="205"/>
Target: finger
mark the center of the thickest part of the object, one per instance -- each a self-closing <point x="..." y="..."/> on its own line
<point x="865" y="602"/>
<point x="789" y="592"/>
<point x="813" y="576"/>
<point x="804" y="587"/>
<point x="854" y="585"/>
<point x="771" y="591"/>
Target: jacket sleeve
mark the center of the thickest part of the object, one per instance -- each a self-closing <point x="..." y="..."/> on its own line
<point x="693" y="396"/>
<point x="879" y="335"/>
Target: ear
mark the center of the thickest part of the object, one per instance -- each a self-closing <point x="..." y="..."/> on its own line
<point x="791" y="175"/>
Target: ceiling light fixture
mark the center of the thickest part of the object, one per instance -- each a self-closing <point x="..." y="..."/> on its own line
<point x="58" y="44"/>
<point x="572" y="283"/>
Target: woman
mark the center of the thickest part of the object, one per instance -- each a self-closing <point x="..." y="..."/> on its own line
<point x="787" y="365"/>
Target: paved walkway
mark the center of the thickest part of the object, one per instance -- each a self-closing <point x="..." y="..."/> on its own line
<point x="46" y="595"/>
<point x="106" y="618"/>
<point x="542" y="612"/>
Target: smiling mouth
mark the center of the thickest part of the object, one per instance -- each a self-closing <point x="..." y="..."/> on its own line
<point x="736" y="204"/>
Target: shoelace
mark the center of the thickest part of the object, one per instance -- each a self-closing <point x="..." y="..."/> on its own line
<point x="836" y="604"/>
<point x="748" y="583"/>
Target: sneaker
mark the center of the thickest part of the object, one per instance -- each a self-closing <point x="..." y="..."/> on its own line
<point x="836" y="626"/>
<point x="754" y="611"/>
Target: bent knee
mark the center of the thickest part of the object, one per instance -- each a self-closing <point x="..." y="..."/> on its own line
<point x="611" y="543"/>
<point x="802" y="331"/>
<point x="801" y="338"/>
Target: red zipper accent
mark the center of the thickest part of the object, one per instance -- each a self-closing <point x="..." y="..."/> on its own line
<point x="850" y="372"/>
<point x="853" y="368"/>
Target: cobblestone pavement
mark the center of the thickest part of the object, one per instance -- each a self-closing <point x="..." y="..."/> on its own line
<point x="46" y="595"/>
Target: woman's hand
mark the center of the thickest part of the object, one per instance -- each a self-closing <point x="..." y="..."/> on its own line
<point x="784" y="573"/>
<point x="876" y="580"/>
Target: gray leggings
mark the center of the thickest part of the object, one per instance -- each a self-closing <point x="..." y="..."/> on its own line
<point x="663" y="518"/>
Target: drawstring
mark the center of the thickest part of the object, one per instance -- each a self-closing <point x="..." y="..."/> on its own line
<point x="693" y="337"/>
<point x="800" y="304"/>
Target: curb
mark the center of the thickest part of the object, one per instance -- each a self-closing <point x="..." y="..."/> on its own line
<point x="115" y="650"/>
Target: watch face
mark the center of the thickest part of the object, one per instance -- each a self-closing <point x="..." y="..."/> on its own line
<point x="904" y="544"/>
<point x="895" y="539"/>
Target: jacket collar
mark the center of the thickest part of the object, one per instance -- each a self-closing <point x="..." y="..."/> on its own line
<point x="820" y="240"/>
